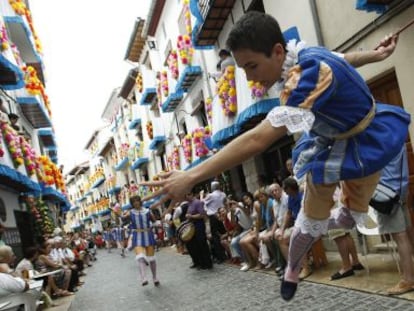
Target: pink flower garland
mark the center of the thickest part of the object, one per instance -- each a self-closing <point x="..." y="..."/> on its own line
<point x="199" y="136"/>
<point x="187" y="16"/>
<point x="172" y="62"/>
<point x="185" y="49"/>
<point x="257" y="90"/>
<point x="188" y="148"/>
<point x="226" y="89"/>
<point x="209" y="109"/>
<point x="13" y="144"/>
<point x="176" y="158"/>
<point x="164" y="83"/>
<point x="4" y="40"/>
<point x="29" y="157"/>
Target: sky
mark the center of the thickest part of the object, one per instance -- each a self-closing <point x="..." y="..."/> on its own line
<point x="84" y="45"/>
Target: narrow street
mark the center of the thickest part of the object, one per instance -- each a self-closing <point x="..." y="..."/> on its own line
<point x="112" y="284"/>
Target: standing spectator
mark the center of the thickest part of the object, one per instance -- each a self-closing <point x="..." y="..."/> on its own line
<point x="197" y="246"/>
<point x="213" y="201"/>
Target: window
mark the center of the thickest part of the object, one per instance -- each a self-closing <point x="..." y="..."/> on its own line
<point x="201" y="114"/>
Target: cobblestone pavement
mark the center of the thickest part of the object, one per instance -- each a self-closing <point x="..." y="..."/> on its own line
<point x="112" y="285"/>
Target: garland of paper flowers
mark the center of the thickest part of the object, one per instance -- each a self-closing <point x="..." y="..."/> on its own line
<point x="1" y="146"/>
<point x="97" y="175"/>
<point x="149" y="130"/>
<point x="226" y="90"/>
<point x="4" y="40"/>
<point x="29" y="156"/>
<point x="159" y="89"/>
<point x="139" y="82"/>
<point x="209" y="109"/>
<point x="59" y="180"/>
<point x="20" y="8"/>
<point x="258" y="91"/>
<point x="187" y="16"/>
<point x="35" y="87"/>
<point x="123" y="151"/>
<point x="188" y="148"/>
<point x="172" y="63"/>
<point x="13" y="144"/>
<point x="164" y="83"/>
<point x="199" y="136"/>
<point x="176" y="158"/>
<point x="185" y="49"/>
<point x="16" y="55"/>
<point x="40" y="211"/>
<point x="47" y="172"/>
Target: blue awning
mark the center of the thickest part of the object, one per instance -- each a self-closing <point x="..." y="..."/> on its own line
<point x="104" y="212"/>
<point x="87" y="218"/>
<point x="260" y="108"/>
<point x="81" y="199"/>
<point x="122" y="164"/>
<point x="47" y="137"/>
<point x="16" y="181"/>
<point x="148" y="96"/>
<point x="138" y="162"/>
<point x="51" y="194"/>
<point x="34" y="112"/>
<point x="188" y="77"/>
<point x="97" y="183"/>
<point x="11" y="77"/>
<point x="114" y="190"/>
<point x="196" y="162"/>
<point x="157" y="140"/>
<point x="74" y="208"/>
<point x="172" y="101"/>
<point x="133" y="124"/>
<point x="22" y="37"/>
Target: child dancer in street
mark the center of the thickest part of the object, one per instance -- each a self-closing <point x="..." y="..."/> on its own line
<point x="142" y="239"/>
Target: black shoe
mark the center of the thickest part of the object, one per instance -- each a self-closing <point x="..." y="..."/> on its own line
<point x="288" y="290"/>
<point x="193" y="266"/>
<point x="358" y="267"/>
<point x="337" y="275"/>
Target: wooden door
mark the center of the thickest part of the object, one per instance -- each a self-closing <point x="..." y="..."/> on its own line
<point x="386" y="90"/>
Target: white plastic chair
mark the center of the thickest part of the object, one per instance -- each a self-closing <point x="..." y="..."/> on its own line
<point x="372" y="231"/>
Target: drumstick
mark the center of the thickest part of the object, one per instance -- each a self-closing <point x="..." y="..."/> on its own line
<point x="395" y="34"/>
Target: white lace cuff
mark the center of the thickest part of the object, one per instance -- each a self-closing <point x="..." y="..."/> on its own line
<point x="295" y="119"/>
<point x="314" y="227"/>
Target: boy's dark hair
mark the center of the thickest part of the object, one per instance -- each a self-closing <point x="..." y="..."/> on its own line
<point x="291" y="183"/>
<point x="255" y="31"/>
<point x="224" y="52"/>
<point x="13" y="116"/>
<point x="29" y="252"/>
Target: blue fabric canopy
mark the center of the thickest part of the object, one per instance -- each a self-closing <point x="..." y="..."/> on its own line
<point x="134" y="123"/>
<point x="138" y="162"/>
<point x="97" y="183"/>
<point x="172" y="101"/>
<point x="114" y="190"/>
<point x="18" y="81"/>
<point x="121" y="165"/>
<point x="156" y="141"/>
<point x="187" y="78"/>
<point x="17" y="181"/>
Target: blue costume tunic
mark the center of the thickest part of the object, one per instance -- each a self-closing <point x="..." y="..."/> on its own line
<point x="337" y="95"/>
<point x="141" y="228"/>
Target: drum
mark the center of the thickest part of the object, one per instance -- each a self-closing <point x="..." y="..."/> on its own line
<point x="186" y="231"/>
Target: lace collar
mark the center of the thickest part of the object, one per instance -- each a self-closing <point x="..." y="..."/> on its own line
<point x="293" y="48"/>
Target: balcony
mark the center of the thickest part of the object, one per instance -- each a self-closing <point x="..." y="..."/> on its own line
<point x="213" y="15"/>
<point x="172" y="101"/>
<point x="188" y="77"/>
<point x="157" y="141"/>
<point x="47" y="137"/>
<point x="134" y="123"/>
<point x="148" y="96"/>
<point x="34" y="112"/>
<point x="11" y="77"/>
<point x="122" y="164"/>
<point x="138" y="163"/>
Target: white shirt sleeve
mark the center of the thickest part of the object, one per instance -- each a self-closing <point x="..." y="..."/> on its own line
<point x="11" y="284"/>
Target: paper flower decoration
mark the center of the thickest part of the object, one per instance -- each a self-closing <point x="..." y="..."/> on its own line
<point x="159" y="89"/>
<point x="35" y="87"/>
<point x="139" y="82"/>
<point x="258" y="91"/>
<point x="209" y="109"/>
<point x="164" y="83"/>
<point x="149" y="130"/>
<point x="47" y="170"/>
<point x="4" y="40"/>
<point x="226" y="89"/>
<point x="176" y="158"/>
<point x="185" y="49"/>
<point x="188" y="148"/>
<point x="29" y="155"/>
<point x="13" y="144"/>
<point x="199" y="137"/>
<point x="41" y="214"/>
<point x="187" y="17"/>
<point x="172" y="62"/>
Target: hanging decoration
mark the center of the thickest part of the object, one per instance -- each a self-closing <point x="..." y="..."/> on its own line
<point x="187" y="17"/>
<point x="123" y="151"/>
<point x="149" y="130"/>
<point x="139" y="82"/>
<point x="159" y="89"/>
<point x="176" y="158"/>
<point x="13" y="144"/>
<point x="258" y="91"/>
<point x="185" y="49"/>
<point x="35" y="87"/>
<point x="43" y="221"/>
<point x="209" y="109"/>
<point x="47" y="174"/>
<point x="4" y="40"/>
<point x="226" y="90"/>
<point x="1" y="146"/>
<point x="29" y="155"/>
<point x="188" y="148"/>
<point x="164" y="83"/>
<point x="172" y="63"/>
<point x="199" y="137"/>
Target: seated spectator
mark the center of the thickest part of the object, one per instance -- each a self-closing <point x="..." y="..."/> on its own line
<point x="26" y="264"/>
<point x="227" y="229"/>
<point x="7" y="258"/>
<point x="10" y="284"/>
